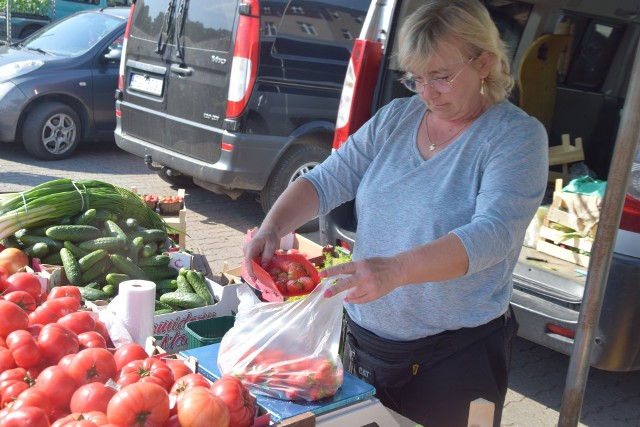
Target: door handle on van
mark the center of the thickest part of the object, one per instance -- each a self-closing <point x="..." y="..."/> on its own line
<point x="183" y="71"/>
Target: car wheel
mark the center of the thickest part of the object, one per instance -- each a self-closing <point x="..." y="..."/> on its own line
<point x="51" y="131"/>
<point x="297" y="161"/>
<point x="176" y="179"/>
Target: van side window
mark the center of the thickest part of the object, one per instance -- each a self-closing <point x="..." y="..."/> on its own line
<point x="209" y="25"/>
<point x="299" y="38"/>
<point x="594" y="55"/>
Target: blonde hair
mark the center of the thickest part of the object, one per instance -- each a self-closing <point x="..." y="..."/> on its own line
<point x="464" y="22"/>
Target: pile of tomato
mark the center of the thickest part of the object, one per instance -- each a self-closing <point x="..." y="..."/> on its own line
<point x="58" y="368"/>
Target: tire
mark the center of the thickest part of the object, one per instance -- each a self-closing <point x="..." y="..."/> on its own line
<point x="176" y="179"/>
<point x="51" y="131"/>
<point x="297" y="161"/>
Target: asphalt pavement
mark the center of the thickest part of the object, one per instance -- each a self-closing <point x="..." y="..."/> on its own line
<point x="216" y="227"/>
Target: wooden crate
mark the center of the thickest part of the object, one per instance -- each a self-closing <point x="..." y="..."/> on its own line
<point x="177" y="221"/>
<point x="553" y="242"/>
<point x="563" y="155"/>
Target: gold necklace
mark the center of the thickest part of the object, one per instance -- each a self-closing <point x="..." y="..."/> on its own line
<point x="433" y="145"/>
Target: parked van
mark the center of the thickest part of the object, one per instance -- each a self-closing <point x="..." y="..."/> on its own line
<point x="234" y="95"/>
<point x="585" y="49"/>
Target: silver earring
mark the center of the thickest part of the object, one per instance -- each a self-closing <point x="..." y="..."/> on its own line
<point x="482" y="87"/>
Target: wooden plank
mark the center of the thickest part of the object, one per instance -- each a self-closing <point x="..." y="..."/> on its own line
<point x="559" y="237"/>
<point x="565" y="254"/>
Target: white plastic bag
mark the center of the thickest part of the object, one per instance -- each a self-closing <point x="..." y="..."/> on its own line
<point x="287" y="350"/>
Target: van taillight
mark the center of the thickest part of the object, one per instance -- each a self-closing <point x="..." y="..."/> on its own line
<point x="630" y="220"/>
<point x="359" y="84"/>
<point x="560" y="330"/>
<point x="124" y="49"/>
<point x="245" y="58"/>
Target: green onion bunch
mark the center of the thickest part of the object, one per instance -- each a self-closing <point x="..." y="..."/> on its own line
<point x="53" y="200"/>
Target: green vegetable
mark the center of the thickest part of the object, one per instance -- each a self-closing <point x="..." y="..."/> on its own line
<point x="73" y="233"/>
<point x="155" y="261"/>
<point x="124" y="265"/>
<point x="100" y="267"/>
<point x="183" y="299"/>
<point x="114" y="229"/>
<point x="107" y="243"/>
<point x="52" y="201"/>
<point x="53" y="259"/>
<point x="37" y="250"/>
<point x="91" y="294"/>
<point x="151" y="235"/>
<point x="86" y="217"/>
<point x="89" y="260"/>
<point x="109" y="290"/>
<point x="71" y="267"/>
<point x="116" y="278"/>
<point x="135" y="247"/>
<point x="159" y="273"/>
<point x="183" y="284"/>
<point x="75" y="250"/>
<point x="171" y="284"/>
<point x="149" y="249"/>
<point x="31" y="239"/>
<point x="199" y="284"/>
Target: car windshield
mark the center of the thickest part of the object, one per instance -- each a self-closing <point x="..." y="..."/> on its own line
<point x="73" y="36"/>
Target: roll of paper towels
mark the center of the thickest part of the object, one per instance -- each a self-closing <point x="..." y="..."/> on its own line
<point x="136" y="307"/>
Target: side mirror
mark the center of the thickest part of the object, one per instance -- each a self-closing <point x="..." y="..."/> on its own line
<point x="113" y="55"/>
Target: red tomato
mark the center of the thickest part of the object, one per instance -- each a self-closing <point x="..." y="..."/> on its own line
<point x="94" y="418"/>
<point x="129" y="352"/>
<point x="24" y="299"/>
<point x="56" y="341"/>
<point x="3" y="276"/>
<point x="92" y="397"/>
<point x="79" y="321"/>
<point x="13" y="259"/>
<point x="10" y="390"/>
<point x="172" y="421"/>
<point x="65" y="291"/>
<point x="12" y="318"/>
<point x="91" y="339"/>
<point x="6" y="360"/>
<point x="101" y="328"/>
<point x="178" y="367"/>
<point x="26" y="417"/>
<point x="52" y="310"/>
<point x="199" y="407"/>
<point x="92" y="365"/>
<point x="13" y="374"/>
<point x="237" y="398"/>
<point x="150" y="369"/>
<point x="33" y="397"/>
<point x="184" y="383"/>
<point x="24" y="348"/>
<point x="56" y="383"/>
<point x="23" y="281"/>
<point x="142" y="404"/>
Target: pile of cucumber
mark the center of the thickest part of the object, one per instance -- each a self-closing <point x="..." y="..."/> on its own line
<point x="99" y="251"/>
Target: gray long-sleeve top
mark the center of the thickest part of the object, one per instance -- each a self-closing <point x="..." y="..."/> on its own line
<point x="485" y="187"/>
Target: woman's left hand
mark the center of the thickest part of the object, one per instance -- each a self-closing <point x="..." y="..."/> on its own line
<point x="368" y="279"/>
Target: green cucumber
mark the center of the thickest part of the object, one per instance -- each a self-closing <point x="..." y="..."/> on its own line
<point x="75" y="250"/>
<point x="100" y="267"/>
<point x="155" y="261"/>
<point x="126" y="266"/>
<point x="37" y="250"/>
<point x="151" y="235"/>
<point x="29" y="239"/>
<point x="91" y="294"/>
<point x="149" y="249"/>
<point x="94" y="284"/>
<point x="116" y="278"/>
<point x="183" y="299"/>
<point x="199" y="284"/>
<point x="73" y="233"/>
<point x="107" y="243"/>
<point x="87" y="261"/>
<point x="161" y="311"/>
<point x="114" y="229"/>
<point x="132" y="224"/>
<point x="159" y="273"/>
<point x="109" y="290"/>
<point x="183" y="284"/>
<point x="85" y="217"/>
<point x="103" y="215"/>
<point x="171" y="284"/>
<point x="53" y="259"/>
<point x="135" y="248"/>
<point x="71" y="267"/>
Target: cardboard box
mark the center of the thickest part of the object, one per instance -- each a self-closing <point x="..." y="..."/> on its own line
<point x="169" y="329"/>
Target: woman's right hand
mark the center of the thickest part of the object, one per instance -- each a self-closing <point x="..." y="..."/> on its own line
<point x="263" y="244"/>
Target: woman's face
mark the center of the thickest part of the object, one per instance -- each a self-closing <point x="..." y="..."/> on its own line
<point x="455" y="82"/>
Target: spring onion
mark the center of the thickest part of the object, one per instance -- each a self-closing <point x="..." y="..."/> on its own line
<point x="50" y="201"/>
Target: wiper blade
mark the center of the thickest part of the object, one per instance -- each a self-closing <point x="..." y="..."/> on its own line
<point x="166" y="30"/>
<point x="38" y="49"/>
<point x="182" y="13"/>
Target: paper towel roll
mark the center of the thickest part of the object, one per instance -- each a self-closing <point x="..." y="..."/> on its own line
<point x="136" y="306"/>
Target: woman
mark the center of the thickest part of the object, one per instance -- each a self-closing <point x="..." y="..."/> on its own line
<point x="446" y="182"/>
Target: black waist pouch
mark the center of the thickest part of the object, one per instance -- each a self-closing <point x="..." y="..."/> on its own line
<point x="392" y="364"/>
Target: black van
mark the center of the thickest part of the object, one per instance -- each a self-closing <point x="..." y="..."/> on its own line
<point x="234" y="94"/>
<point x="584" y="94"/>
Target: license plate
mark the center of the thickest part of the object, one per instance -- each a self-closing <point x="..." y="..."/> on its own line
<point x="146" y="84"/>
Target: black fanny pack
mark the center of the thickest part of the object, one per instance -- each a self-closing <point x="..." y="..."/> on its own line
<point x="392" y="364"/>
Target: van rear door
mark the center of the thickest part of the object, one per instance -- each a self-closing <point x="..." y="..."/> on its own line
<point x="176" y="74"/>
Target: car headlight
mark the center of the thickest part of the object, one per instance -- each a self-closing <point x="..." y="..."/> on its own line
<point x="15" y="69"/>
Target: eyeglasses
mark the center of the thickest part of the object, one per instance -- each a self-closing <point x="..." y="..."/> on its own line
<point x="440" y="85"/>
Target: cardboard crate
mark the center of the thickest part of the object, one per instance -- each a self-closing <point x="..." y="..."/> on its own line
<point x="169" y="329"/>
